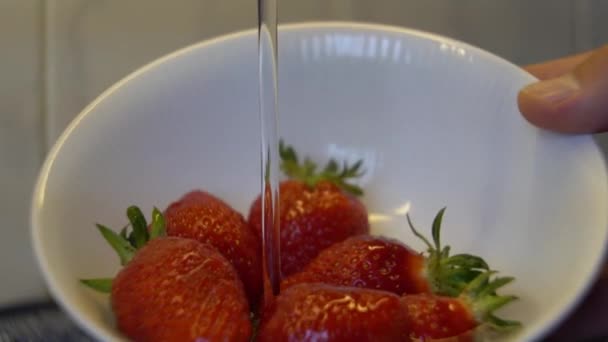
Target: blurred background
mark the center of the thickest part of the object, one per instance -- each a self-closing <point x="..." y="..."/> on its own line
<point x="59" y="55"/>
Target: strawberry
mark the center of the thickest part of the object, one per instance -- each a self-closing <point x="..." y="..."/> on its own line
<point x="201" y="216"/>
<point x="316" y="210"/>
<point x="433" y="317"/>
<point x="179" y="289"/>
<point x="386" y="264"/>
<point x="322" y="312"/>
<point x="171" y="288"/>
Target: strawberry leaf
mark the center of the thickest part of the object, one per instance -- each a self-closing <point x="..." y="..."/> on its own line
<point x="500" y="324"/>
<point x="287" y="153"/>
<point x="123" y="248"/>
<point x="457" y="278"/>
<point x="158" y="224"/>
<point x="481" y="294"/>
<point x="267" y="166"/>
<point x="332" y="172"/>
<point x="437" y="229"/>
<point x="350" y="188"/>
<point x="445" y="252"/>
<point x="103" y="285"/>
<point x="331" y="167"/>
<point x="140" y="227"/>
<point x="467" y="261"/>
<point x="125" y="244"/>
<point x="289" y="161"/>
<point x="494" y="285"/>
<point x="123" y="232"/>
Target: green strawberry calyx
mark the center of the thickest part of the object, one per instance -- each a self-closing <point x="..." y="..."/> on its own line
<point x="307" y="171"/>
<point x="131" y="238"/>
<point x="481" y="297"/>
<point x="447" y="274"/>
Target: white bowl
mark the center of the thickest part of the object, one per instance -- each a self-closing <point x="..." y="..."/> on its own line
<point x="434" y="119"/>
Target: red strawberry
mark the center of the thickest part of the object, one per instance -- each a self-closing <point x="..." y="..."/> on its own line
<point x="201" y="216"/>
<point x="368" y="262"/>
<point x="178" y="289"/>
<point x="387" y="264"/>
<point x="434" y="317"/>
<point x="322" y="312"/>
<point x="172" y="289"/>
<point x="431" y="316"/>
<point x="316" y="210"/>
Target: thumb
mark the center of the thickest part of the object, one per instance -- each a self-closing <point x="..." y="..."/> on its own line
<point x="576" y="102"/>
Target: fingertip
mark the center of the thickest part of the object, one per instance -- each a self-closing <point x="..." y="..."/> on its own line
<point x="534" y="110"/>
<point x="576" y="102"/>
<point x="531" y="109"/>
<point x="556" y="113"/>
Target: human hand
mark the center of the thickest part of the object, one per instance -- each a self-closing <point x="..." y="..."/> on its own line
<point x="572" y="96"/>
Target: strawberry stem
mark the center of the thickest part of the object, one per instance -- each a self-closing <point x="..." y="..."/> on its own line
<point x="332" y="172"/>
<point x="447" y="275"/>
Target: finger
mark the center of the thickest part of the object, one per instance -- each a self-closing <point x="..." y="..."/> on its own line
<point x="556" y="67"/>
<point x="576" y="102"/>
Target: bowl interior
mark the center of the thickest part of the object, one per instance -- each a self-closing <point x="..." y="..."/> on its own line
<point x="434" y="120"/>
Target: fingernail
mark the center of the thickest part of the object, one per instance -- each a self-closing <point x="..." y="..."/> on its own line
<point x="554" y="90"/>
